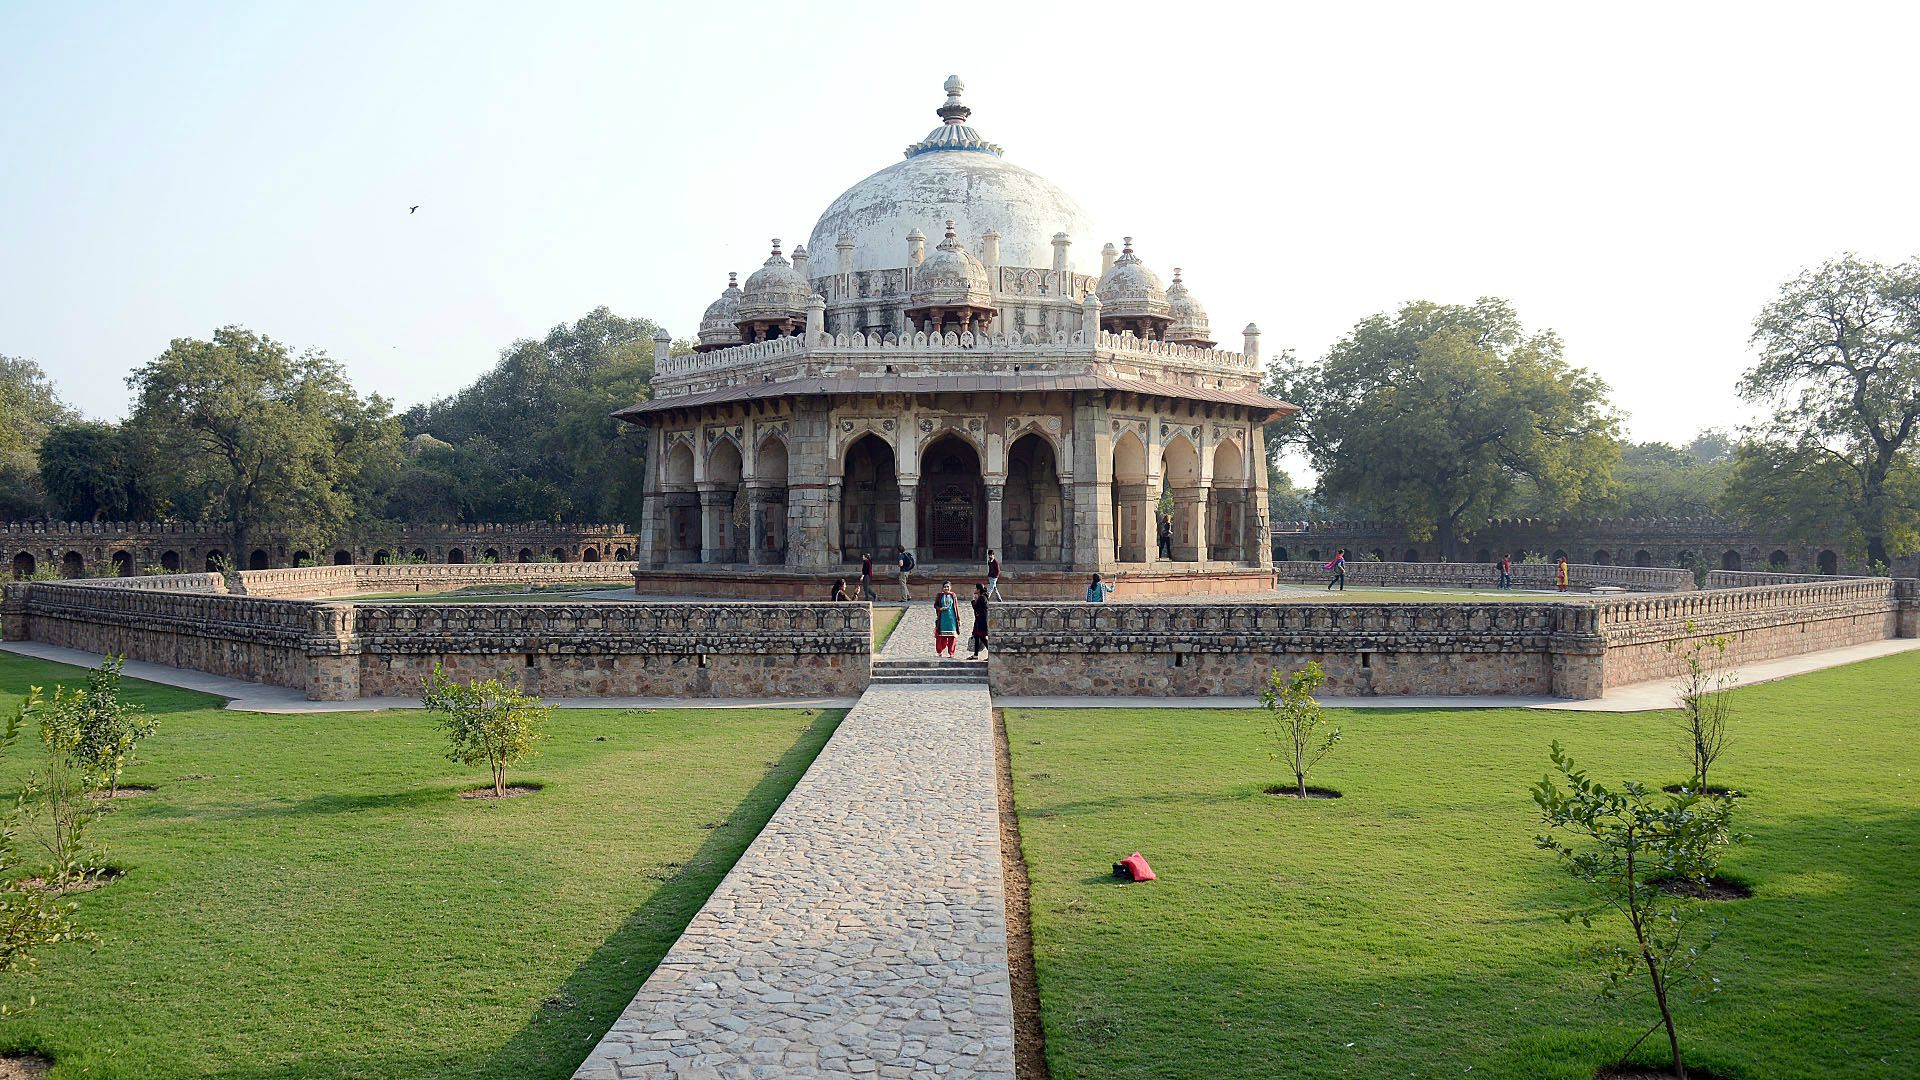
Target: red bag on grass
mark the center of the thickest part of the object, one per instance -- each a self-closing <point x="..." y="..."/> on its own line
<point x="1134" y="868"/>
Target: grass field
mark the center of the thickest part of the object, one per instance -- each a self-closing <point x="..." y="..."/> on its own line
<point x="1410" y="928"/>
<point x="884" y="621"/>
<point x="307" y="897"/>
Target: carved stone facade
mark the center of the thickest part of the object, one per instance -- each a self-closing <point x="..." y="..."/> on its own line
<point x="955" y="402"/>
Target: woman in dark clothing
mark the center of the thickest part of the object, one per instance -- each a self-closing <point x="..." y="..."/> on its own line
<point x="979" y="621"/>
<point x="840" y="589"/>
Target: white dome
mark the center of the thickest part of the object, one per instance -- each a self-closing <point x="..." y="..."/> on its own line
<point x="953" y="173"/>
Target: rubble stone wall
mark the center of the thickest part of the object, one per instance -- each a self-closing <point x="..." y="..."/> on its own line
<point x="1441" y="575"/>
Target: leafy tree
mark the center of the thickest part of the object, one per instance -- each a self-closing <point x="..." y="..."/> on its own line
<point x="92" y="471"/>
<point x="1704" y="701"/>
<point x="1840" y="364"/>
<point x="1296" y="720"/>
<point x="29" y="409"/>
<point x="1285" y="500"/>
<point x="1659" y="480"/>
<point x="244" y="431"/>
<point x="1440" y="418"/>
<point x="1631" y="841"/>
<point x="486" y="721"/>
<point x="95" y="728"/>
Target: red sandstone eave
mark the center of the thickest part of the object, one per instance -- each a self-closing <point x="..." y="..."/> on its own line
<point x="952" y="384"/>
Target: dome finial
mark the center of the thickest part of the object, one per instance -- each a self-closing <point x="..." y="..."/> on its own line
<point x="953" y="112"/>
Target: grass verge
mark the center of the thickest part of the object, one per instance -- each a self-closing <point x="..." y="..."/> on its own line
<point x="308" y="896"/>
<point x="1412" y="929"/>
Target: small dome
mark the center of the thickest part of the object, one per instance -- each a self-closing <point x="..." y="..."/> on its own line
<point x="775" y="291"/>
<point x="1190" y="325"/>
<point x="951" y="277"/>
<point x="719" y="327"/>
<point x="1130" y="290"/>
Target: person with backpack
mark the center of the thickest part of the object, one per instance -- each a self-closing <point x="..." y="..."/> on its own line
<point x="993" y="574"/>
<point x="1098" y="591"/>
<point x="866" y="577"/>
<point x="1506" y="571"/>
<point x="1339" y="567"/>
<point x="907" y="563"/>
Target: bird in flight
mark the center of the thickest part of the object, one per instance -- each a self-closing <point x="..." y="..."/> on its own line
<point x="411" y="209"/>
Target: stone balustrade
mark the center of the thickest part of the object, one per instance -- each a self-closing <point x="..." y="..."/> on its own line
<point x="1485" y="575"/>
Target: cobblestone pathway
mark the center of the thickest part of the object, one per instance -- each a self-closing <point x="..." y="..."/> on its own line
<point x="863" y="934"/>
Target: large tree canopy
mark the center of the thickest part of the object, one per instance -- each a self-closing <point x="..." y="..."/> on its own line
<point x="243" y="431"/>
<point x="1659" y="480"/>
<point x="93" y="471"/>
<point x="1840" y="364"/>
<point x="1441" y="417"/>
<point x="29" y="409"/>
<point x="576" y="463"/>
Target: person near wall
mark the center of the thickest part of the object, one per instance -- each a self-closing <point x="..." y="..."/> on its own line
<point x="906" y="568"/>
<point x="946" y="620"/>
<point x="866" y="577"/>
<point x="979" y="621"/>
<point x="840" y="590"/>
<point x="1098" y="591"/>
<point x="1560" y="573"/>
<point x="993" y="574"/>
<point x="1166" y="537"/>
<point x="1338" y="564"/>
<point x="1506" y="571"/>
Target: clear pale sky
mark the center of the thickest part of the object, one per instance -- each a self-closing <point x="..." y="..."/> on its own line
<point x="1639" y="177"/>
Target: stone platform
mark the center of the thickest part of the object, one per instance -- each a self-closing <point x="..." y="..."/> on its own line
<point x="1164" y="580"/>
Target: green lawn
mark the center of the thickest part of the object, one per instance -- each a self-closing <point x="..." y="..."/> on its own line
<point x="1410" y="929"/>
<point x="884" y="620"/>
<point x="307" y="897"/>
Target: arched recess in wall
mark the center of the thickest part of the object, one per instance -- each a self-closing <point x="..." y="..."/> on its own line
<point x="1227" y="510"/>
<point x="73" y="565"/>
<point x="526" y="554"/>
<point x="122" y="564"/>
<point x="621" y="555"/>
<point x="559" y="554"/>
<point x="869" y="500"/>
<point x="1379" y="555"/>
<point x="768" y="516"/>
<point x="343" y="558"/>
<point x="1483" y="555"/>
<point x="23" y="566"/>
<point x="491" y="555"/>
<point x="214" y="558"/>
<point x="302" y="558"/>
<point x="1279" y="554"/>
<point x="590" y="554"/>
<point x="1032" y="507"/>
<point x="1603" y="557"/>
<point x="725" y="467"/>
<point x="170" y="561"/>
<point x="1777" y="560"/>
<point x="1729" y="560"/>
<point x="1643" y="557"/>
<point x="682" y="505"/>
<point x="1180" y="477"/>
<point x="420" y="553"/>
<point x="1829" y="561"/>
<point x="456" y="555"/>
<point x="380" y="557"/>
<point x="1412" y="555"/>
<point x="257" y="560"/>
<point x="951" y="501"/>
<point x="1684" y="560"/>
<point x="1133" y="514"/>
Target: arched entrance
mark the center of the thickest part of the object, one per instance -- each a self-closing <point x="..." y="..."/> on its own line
<point x="526" y="554"/>
<point x="1226" y="503"/>
<point x="869" y="501"/>
<point x="1729" y="560"/>
<point x="122" y="564"/>
<point x="1829" y="562"/>
<point x="683" y="507"/>
<point x="257" y="560"/>
<point x="1777" y="560"/>
<point x="1180" y="477"/>
<point x="73" y="565"/>
<point x="455" y="555"/>
<point x="720" y="539"/>
<point x="303" y="558"/>
<point x="343" y="558"/>
<point x="951" y="502"/>
<point x="767" y="494"/>
<point x="559" y="554"/>
<point x="170" y="561"/>
<point x="1132" y="500"/>
<point x="22" y="566"/>
<point x="1031" y="504"/>
<point x="1603" y="557"/>
<point x="589" y="555"/>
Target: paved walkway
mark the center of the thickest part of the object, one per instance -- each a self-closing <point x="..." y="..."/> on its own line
<point x="863" y="934"/>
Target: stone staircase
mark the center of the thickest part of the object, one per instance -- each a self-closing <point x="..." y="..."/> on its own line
<point x="922" y="672"/>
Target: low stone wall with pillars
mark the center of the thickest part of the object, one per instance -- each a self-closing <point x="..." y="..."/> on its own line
<point x="340" y="651"/>
<point x="1439" y="575"/>
<point x="1016" y="583"/>
<point x="341" y="581"/>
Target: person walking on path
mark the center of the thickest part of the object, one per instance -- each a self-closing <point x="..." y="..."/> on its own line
<point x="1166" y="537"/>
<point x="946" y="620"/>
<point x="1560" y="573"/>
<point x="1506" y="571"/>
<point x="979" y="621"/>
<point x="866" y="577"/>
<point x="1339" y="567"/>
<point x="993" y="574"/>
<point x="840" y="590"/>
<point x="906" y="568"/>
<point x="1098" y="591"/>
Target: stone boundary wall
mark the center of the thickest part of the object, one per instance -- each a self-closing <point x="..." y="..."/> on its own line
<point x="344" y="581"/>
<point x="1017" y="583"/>
<point x="1743" y="579"/>
<point x="1561" y="649"/>
<point x="1485" y="576"/>
<point x="346" y="650"/>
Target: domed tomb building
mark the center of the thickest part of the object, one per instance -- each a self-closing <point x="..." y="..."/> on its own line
<point x="937" y="369"/>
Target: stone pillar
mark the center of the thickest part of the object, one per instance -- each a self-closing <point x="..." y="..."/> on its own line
<point x="1190" y="523"/>
<point x="834" y="542"/>
<point x="909" y="523"/>
<point x="996" y="518"/>
<point x="651" y="545"/>
<point x="1259" y="531"/>
<point x="812" y="524"/>
<point x="1136" y="523"/>
<point x="716" y="512"/>
<point x="1089" y="525"/>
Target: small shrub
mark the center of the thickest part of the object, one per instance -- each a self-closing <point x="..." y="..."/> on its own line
<point x="487" y="721"/>
<point x="1295" y="719"/>
<point x="30" y="918"/>
<point x="1704" y="701"/>
<point x="223" y="566"/>
<point x="1532" y="558"/>
<point x="154" y="570"/>
<point x="95" y="729"/>
<point x="53" y="802"/>
<point x="1631" y="841"/>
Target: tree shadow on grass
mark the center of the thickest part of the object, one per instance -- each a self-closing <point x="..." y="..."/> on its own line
<point x="328" y="803"/>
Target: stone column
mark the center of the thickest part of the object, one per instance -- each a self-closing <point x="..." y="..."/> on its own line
<point x="835" y="548"/>
<point x="909" y="523"/>
<point x="996" y="518"/>
<point x="1190" y="523"/>
<point x="756" y="523"/>
<point x="716" y="506"/>
<point x="651" y="545"/>
<point x="1089" y="526"/>
<point x="1259" y="531"/>
<point x="1136" y="523"/>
